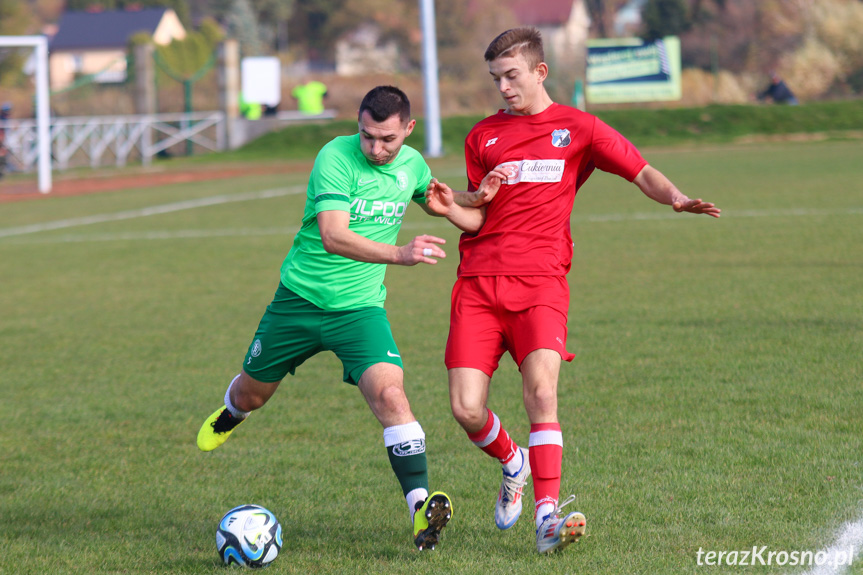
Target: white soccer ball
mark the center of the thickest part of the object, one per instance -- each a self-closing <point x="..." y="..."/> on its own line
<point x="250" y="536"/>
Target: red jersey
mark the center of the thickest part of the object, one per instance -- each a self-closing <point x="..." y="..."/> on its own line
<point x="526" y="231"/>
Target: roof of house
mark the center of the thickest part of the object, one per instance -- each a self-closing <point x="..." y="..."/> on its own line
<point x="108" y="29"/>
<point x="541" y="13"/>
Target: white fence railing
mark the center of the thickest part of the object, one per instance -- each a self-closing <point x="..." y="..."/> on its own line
<point x="105" y="140"/>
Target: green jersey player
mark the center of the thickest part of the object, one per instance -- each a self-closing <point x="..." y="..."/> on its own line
<point x="331" y="292"/>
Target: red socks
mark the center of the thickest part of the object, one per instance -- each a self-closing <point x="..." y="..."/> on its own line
<point x="494" y="440"/>
<point x="546" y="454"/>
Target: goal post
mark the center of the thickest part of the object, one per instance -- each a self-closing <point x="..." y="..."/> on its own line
<point x="43" y="129"/>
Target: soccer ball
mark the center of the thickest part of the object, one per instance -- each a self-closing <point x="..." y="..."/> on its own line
<point x="250" y="536"/>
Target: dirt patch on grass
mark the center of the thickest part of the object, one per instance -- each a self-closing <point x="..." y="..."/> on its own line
<point x="22" y="190"/>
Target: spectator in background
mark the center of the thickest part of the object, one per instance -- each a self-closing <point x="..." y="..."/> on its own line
<point x="250" y="110"/>
<point x="778" y="91"/>
<point x="5" y="112"/>
<point x="310" y="97"/>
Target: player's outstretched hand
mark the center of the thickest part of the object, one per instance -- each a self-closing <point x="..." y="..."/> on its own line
<point x="439" y="197"/>
<point x="696" y="207"/>
<point x="490" y="185"/>
<point x="421" y="249"/>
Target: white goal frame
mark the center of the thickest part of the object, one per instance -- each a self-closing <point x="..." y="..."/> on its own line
<point x="43" y="130"/>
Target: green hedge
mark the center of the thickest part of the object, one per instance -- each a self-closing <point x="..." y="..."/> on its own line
<point x="727" y="123"/>
<point x="661" y="127"/>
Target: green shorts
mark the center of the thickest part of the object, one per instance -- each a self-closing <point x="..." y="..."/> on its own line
<point x="293" y="330"/>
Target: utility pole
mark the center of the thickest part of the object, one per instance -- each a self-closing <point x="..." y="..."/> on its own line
<point x="430" y="80"/>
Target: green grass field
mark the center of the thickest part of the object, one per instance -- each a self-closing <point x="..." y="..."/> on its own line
<point x="716" y="401"/>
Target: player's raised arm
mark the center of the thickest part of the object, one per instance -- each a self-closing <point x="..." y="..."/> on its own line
<point x="486" y="191"/>
<point x="339" y="239"/>
<point x="440" y="201"/>
<point x="466" y="210"/>
<point x="657" y="187"/>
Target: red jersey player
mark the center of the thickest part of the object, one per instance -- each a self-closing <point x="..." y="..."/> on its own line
<point x="511" y="293"/>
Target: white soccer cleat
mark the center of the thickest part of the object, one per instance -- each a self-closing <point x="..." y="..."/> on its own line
<point x="555" y="533"/>
<point x="508" y="506"/>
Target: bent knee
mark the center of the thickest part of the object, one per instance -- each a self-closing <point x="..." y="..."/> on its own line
<point x="392" y="399"/>
<point x="471" y="417"/>
<point x="545" y="397"/>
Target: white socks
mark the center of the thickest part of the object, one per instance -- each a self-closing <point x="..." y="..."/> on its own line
<point x="542" y="511"/>
<point x="410" y="435"/>
<point x="414" y="497"/>
<point x="513" y="466"/>
<point x="234" y="411"/>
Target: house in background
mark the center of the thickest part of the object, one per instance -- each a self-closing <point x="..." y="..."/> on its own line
<point x="564" y="25"/>
<point x="97" y="42"/>
<point x="362" y="51"/>
<point x="565" y="28"/>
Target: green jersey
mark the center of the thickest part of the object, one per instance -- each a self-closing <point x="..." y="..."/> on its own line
<point x="376" y="198"/>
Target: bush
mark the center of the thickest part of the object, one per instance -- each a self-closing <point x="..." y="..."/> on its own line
<point x="831" y="54"/>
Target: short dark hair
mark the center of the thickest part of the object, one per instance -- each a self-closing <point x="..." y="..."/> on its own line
<point x="526" y="41"/>
<point x="384" y="102"/>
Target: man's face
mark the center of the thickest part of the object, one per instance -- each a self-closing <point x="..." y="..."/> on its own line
<point x="381" y="141"/>
<point x="519" y="86"/>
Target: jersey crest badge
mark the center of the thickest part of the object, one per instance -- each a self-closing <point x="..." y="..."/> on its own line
<point x="560" y="138"/>
<point x="402" y="180"/>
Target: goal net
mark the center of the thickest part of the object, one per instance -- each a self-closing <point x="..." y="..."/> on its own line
<point x="43" y="131"/>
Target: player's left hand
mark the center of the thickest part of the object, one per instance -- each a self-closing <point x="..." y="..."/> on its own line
<point x="696" y="207"/>
<point x="490" y="185"/>
<point x="422" y="249"/>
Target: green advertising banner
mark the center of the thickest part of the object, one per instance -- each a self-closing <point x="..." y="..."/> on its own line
<point x="632" y="70"/>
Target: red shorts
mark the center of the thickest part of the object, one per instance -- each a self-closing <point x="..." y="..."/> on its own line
<point x="493" y="314"/>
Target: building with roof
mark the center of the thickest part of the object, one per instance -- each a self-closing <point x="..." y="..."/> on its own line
<point x="564" y="25"/>
<point x="363" y="51"/>
<point x="96" y="43"/>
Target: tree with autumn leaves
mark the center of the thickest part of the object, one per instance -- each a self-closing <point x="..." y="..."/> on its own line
<point x="816" y="45"/>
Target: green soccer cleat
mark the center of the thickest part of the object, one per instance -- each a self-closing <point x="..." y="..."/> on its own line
<point x="217" y="429"/>
<point x="430" y="518"/>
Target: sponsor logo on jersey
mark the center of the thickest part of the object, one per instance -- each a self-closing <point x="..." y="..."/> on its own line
<point x="534" y="171"/>
<point x="391" y="354"/>
<point x="388" y="213"/>
<point x="560" y="138"/>
<point x="412" y="447"/>
<point x="491" y="142"/>
<point x="363" y="182"/>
